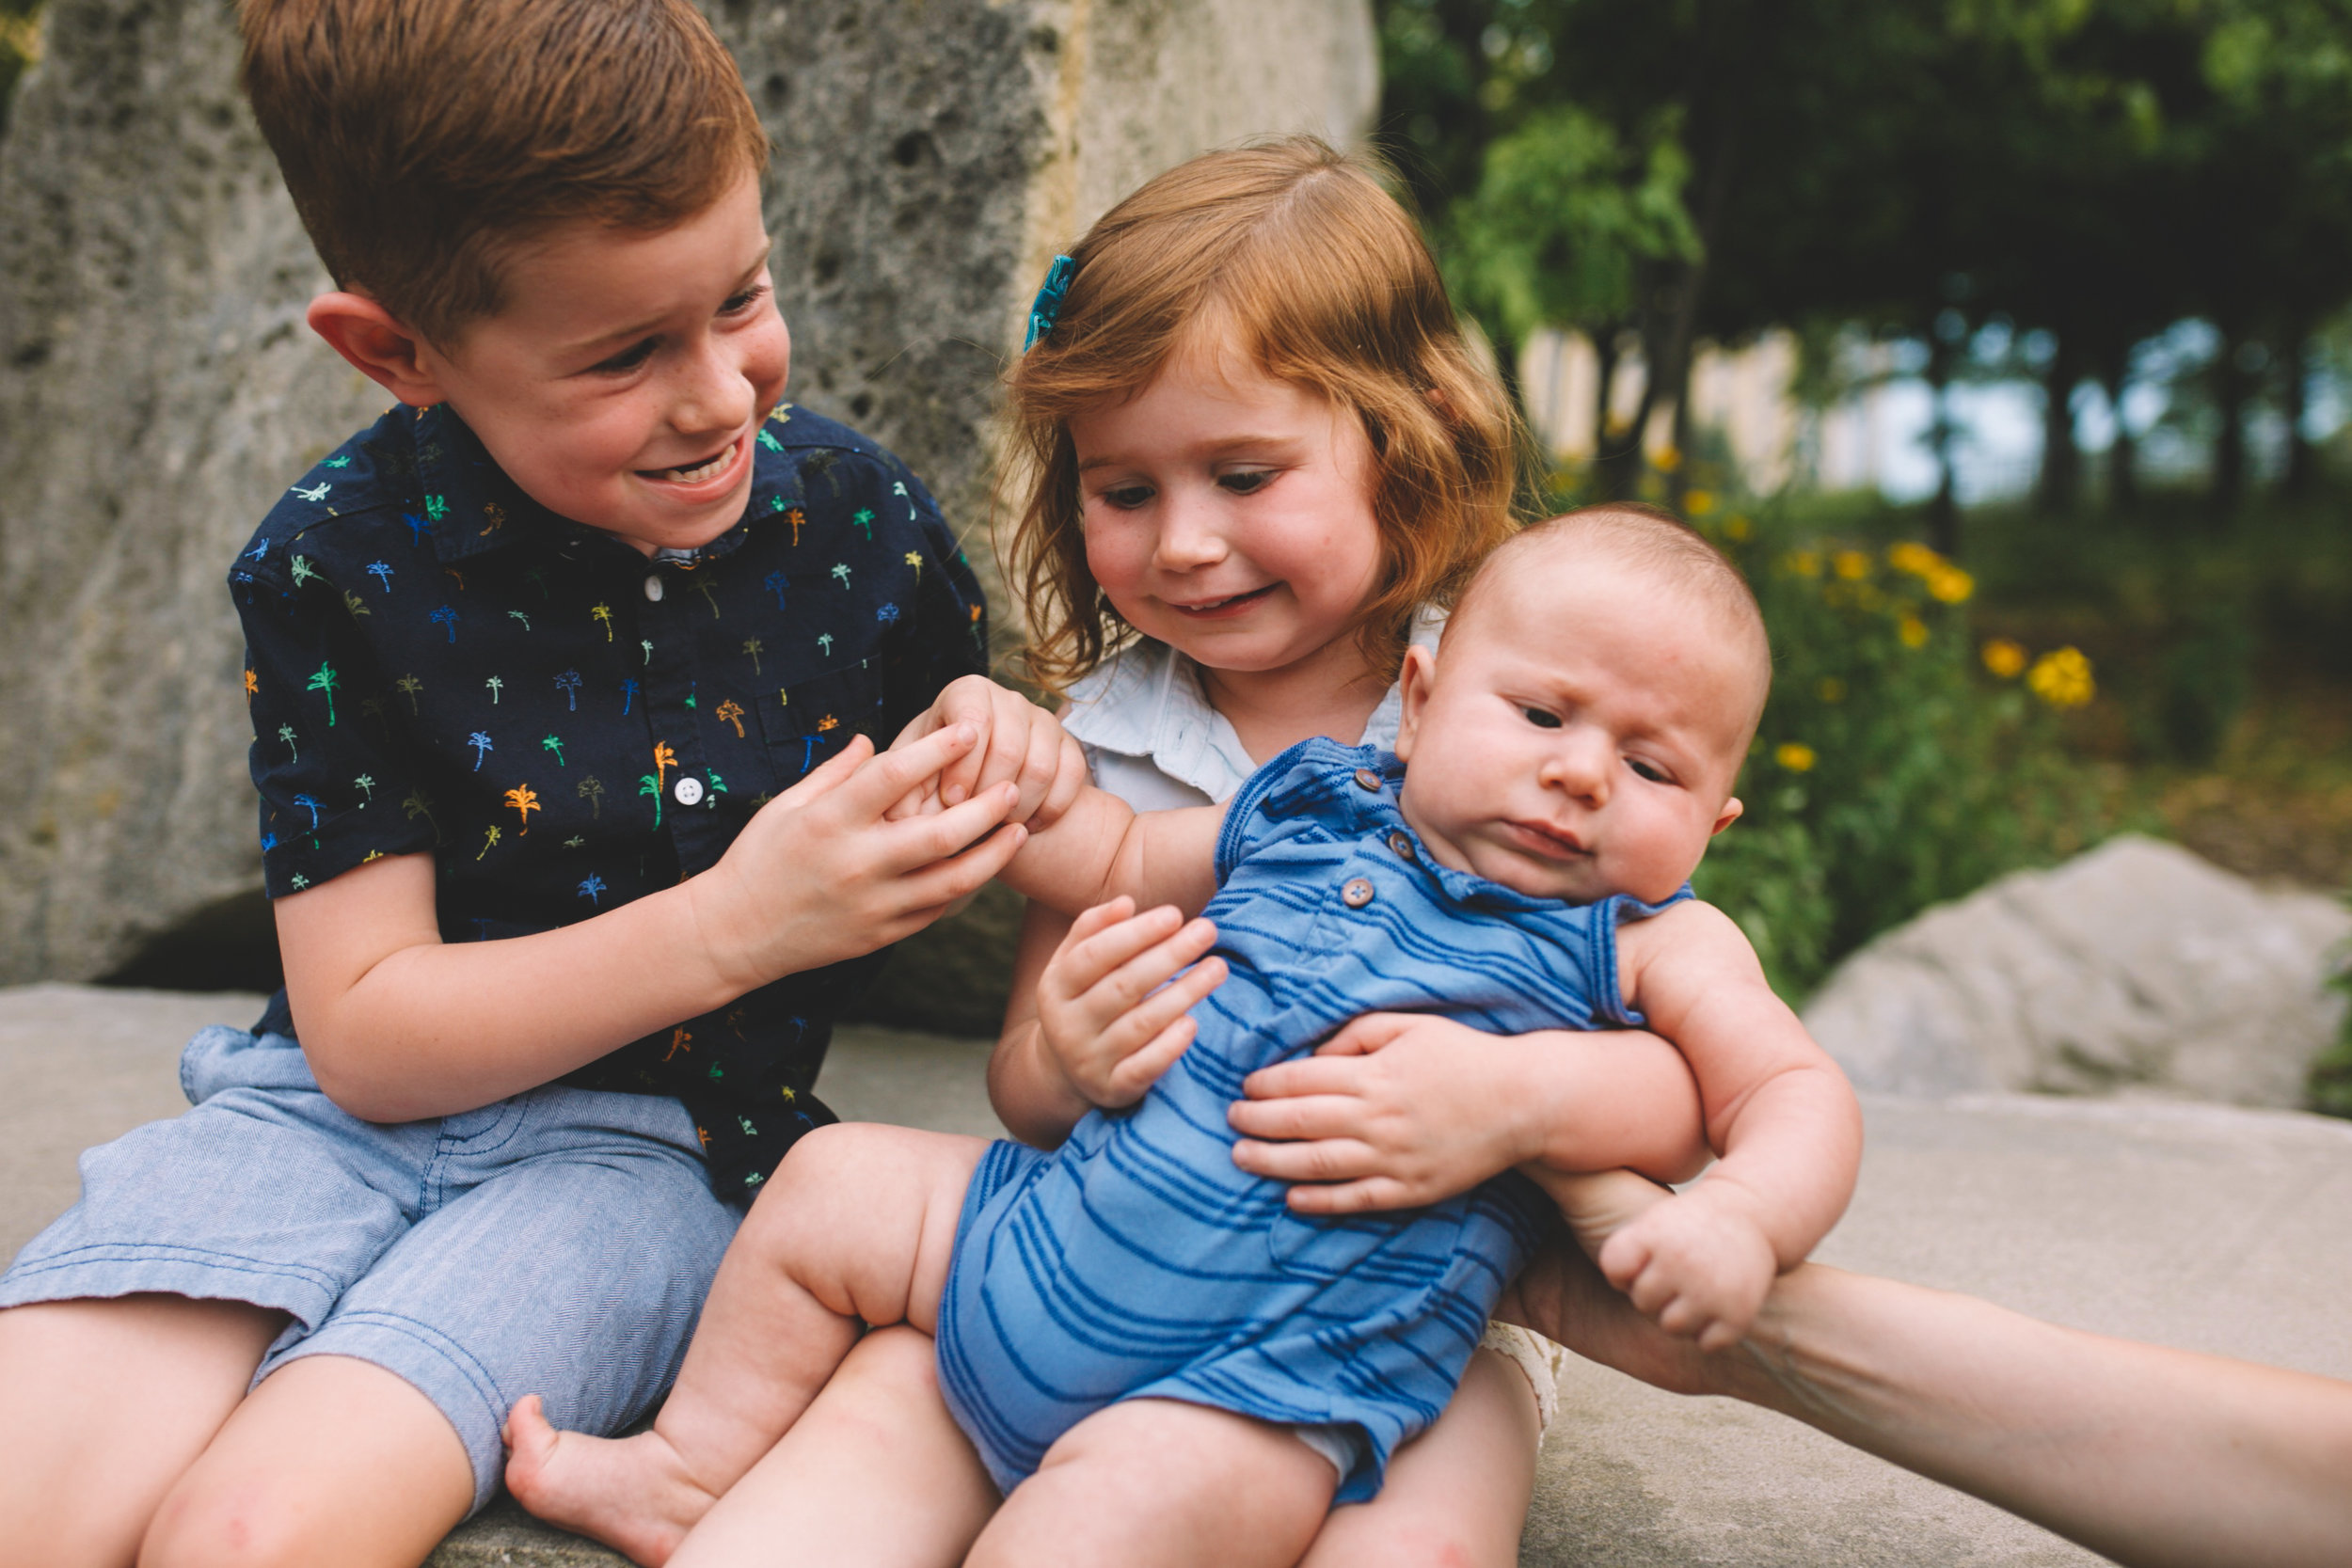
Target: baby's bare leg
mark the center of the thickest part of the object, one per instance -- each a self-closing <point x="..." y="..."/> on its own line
<point x="856" y="1227"/>
<point x="1456" y="1494"/>
<point x="875" y="1473"/>
<point x="104" y="1405"/>
<point x="1151" y="1484"/>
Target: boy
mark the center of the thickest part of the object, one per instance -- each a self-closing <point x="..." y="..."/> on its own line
<point x="563" y="677"/>
<point x="1156" y="1357"/>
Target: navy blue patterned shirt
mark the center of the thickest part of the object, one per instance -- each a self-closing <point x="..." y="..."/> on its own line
<point x="438" y="665"/>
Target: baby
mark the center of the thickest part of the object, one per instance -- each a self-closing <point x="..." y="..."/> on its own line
<point x="1131" y="1316"/>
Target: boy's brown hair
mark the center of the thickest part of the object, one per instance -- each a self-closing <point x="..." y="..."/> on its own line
<point x="424" y="138"/>
<point x="1312" y="271"/>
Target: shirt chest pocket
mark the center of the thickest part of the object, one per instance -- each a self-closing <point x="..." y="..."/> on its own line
<point x="812" y="719"/>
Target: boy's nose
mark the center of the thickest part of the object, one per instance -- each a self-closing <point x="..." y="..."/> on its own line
<point x="1580" y="766"/>
<point x="712" y="394"/>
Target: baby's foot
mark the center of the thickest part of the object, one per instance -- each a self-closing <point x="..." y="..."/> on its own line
<point x="633" y="1494"/>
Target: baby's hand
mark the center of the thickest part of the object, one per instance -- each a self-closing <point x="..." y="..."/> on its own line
<point x="1697" y="1264"/>
<point x="1108" y="1016"/>
<point x="1019" y="742"/>
<point x="1395" y="1111"/>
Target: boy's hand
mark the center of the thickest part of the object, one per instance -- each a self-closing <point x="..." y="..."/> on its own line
<point x="1395" y="1111"/>
<point x="1697" y="1264"/>
<point x="1109" y="1019"/>
<point x="820" y="875"/>
<point x="1020" y="743"/>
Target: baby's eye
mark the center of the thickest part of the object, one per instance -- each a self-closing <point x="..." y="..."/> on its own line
<point x="1542" y="718"/>
<point x="1244" y="482"/>
<point x="627" y="361"/>
<point x="1647" y="770"/>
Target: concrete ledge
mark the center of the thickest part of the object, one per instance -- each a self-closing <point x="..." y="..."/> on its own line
<point x="2212" y="1228"/>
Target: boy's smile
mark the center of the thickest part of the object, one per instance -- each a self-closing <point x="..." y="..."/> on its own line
<point x="623" y="382"/>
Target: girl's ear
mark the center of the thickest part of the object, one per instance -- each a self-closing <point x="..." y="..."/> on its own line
<point x="1420" y="669"/>
<point x="377" y="345"/>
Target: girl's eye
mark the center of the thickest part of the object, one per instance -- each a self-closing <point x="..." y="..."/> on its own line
<point x="1541" y="719"/>
<point x="1244" y="482"/>
<point x="628" y="359"/>
<point x="1647" y="770"/>
<point x="1127" y="496"/>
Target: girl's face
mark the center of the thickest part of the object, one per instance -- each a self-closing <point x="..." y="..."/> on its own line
<point x="1229" y="514"/>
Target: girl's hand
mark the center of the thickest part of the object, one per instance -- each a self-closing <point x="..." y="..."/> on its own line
<point x="1112" y="1008"/>
<point x="1020" y="743"/>
<point x="1395" y="1111"/>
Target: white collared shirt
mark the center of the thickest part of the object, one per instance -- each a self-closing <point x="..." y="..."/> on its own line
<point x="1151" y="738"/>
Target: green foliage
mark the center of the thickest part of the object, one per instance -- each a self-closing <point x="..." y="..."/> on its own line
<point x="2330" y="1083"/>
<point x="20" y="46"/>
<point x="1564" y="212"/>
<point x="1893" y="769"/>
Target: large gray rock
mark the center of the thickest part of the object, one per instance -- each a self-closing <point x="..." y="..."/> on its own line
<point x="2206" y="1227"/>
<point x="157" y="388"/>
<point x="2134" y="968"/>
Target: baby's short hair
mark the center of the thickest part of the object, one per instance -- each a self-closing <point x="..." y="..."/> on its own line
<point x="421" y="139"/>
<point x="1658" y="546"/>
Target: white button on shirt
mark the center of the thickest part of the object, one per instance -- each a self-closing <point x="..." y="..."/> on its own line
<point x="1151" y="738"/>
<point x="689" y="791"/>
<point x="653" y="589"/>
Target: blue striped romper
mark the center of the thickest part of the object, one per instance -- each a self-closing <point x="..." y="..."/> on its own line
<point x="1137" y="1261"/>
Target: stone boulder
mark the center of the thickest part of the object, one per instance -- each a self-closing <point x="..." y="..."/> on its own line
<point x="158" y="389"/>
<point x="2135" y="967"/>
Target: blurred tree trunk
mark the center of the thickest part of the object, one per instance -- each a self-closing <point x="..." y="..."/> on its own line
<point x="1944" y="506"/>
<point x="2114" y="374"/>
<point x="2231" y="391"/>
<point x="2061" y="485"/>
<point x="1607" y="356"/>
<point x="1618" y="459"/>
<point x="2302" y="460"/>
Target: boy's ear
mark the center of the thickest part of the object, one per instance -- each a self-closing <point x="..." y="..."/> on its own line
<point x="1732" y="808"/>
<point x="383" y="350"/>
<point x="1420" y="669"/>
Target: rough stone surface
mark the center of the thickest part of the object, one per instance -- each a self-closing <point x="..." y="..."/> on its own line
<point x="157" y="386"/>
<point x="2134" y="968"/>
<point x="2215" y="1228"/>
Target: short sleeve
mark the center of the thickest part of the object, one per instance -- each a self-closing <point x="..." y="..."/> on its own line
<point x="327" y="758"/>
<point x="1291" y="795"/>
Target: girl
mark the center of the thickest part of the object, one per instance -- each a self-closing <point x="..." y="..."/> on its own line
<point x="1260" y="458"/>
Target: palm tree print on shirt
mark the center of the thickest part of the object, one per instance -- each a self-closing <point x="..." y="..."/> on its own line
<point x="755" y="647"/>
<point x="569" y="683"/>
<point x="592" y="791"/>
<point x="324" y="681"/>
<point x="494" y="686"/>
<point x="523" y="799"/>
<point x="489" y="838"/>
<point x="603" y="613"/>
<point x="382" y="572"/>
<point x="408" y="686"/>
<point x="286" y="733"/>
<point x="480" y="743"/>
<point x="651" y="786"/>
<point x="446" y="619"/>
<point x="589" y="888"/>
<point x="730" y="712"/>
<point x="555" y="743"/>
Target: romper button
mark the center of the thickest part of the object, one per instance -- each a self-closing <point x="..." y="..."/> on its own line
<point x="1356" y="893"/>
<point x="653" y="589"/>
<point x="689" y="791"/>
<point x="1401" y="846"/>
<point x="1367" y="779"/>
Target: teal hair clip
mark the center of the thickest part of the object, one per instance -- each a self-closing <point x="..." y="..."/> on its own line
<point x="1046" y="308"/>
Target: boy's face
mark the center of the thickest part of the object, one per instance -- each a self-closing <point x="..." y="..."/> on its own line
<point x="1577" y="734"/>
<point x="625" y="381"/>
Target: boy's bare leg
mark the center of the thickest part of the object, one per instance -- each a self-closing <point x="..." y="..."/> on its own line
<point x="330" y="1460"/>
<point x="856" y="1227"/>
<point x="1458" y="1494"/>
<point x="1152" y="1483"/>
<point x="103" y="1406"/>
<point x="875" y="1473"/>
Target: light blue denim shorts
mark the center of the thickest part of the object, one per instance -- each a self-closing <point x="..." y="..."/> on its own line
<point x="559" y="1242"/>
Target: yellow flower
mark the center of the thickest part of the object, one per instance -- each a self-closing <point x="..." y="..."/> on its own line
<point x="1852" y="564"/>
<point x="1667" y="460"/>
<point x="1795" y="755"/>
<point x="2004" y="657"/>
<point x="2061" y="678"/>
<point x="1698" y="503"/>
<point x="1912" y="557"/>
<point x="1738" y="527"/>
<point x="1913" y="630"/>
<point x="1832" y="689"/>
<point x="1805" y="564"/>
<point x="1949" y="584"/>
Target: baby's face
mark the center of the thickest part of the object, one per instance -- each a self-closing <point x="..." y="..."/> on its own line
<point x="1577" y="732"/>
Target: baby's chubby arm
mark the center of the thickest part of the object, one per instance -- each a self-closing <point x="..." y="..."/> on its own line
<point x="1777" y="1110"/>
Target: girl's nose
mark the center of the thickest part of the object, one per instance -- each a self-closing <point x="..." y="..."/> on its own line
<point x="1189" y="538"/>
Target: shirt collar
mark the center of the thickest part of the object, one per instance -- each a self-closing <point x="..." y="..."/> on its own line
<point x="1144" y="702"/>
<point x="474" y="507"/>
